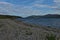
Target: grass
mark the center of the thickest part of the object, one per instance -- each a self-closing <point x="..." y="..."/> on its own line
<point x="8" y="16"/>
<point x="51" y="37"/>
<point x="28" y="33"/>
<point x="1" y="25"/>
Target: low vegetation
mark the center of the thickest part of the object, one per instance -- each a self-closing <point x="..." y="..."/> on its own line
<point x="51" y="37"/>
<point x="28" y="33"/>
<point x="13" y="30"/>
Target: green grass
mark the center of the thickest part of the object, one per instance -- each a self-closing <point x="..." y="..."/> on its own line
<point x="8" y="16"/>
<point x="51" y="37"/>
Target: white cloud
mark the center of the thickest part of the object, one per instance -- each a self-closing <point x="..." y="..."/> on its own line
<point x="12" y="9"/>
<point x="44" y="6"/>
<point x="4" y="3"/>
<point x="56" y="0"/>
<point x="38" y="4"/>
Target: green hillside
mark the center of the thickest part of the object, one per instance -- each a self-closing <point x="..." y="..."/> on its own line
<point x="9" y="16"/>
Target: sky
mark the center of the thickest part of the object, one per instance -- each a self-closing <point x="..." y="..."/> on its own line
<point x="26" y="8"/>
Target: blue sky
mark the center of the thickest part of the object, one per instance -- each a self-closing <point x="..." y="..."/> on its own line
<point x="32" y="7"/>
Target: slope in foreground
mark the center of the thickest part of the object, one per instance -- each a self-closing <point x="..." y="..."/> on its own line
<point x="15" y="30"/>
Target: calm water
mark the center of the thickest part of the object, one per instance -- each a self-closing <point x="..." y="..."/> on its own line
<point x="55" y="22"/>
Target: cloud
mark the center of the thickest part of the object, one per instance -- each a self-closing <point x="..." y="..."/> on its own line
<point x="55" y="6"/>
<point x="4" y="3"/>
<point x="8" y="8"/>
<point x="45" y="6"/>
<point x="37" y="4"/>
<point x="56" y="0"/>
<point x="12" y="9"/>
<point x="24" y="10"/>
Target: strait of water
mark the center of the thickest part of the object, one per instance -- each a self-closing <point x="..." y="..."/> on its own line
<point x="53" y="22"/>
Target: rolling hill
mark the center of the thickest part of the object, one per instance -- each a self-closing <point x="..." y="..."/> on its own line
<point x="9" y="17"/>
<point x="45" y="16"/>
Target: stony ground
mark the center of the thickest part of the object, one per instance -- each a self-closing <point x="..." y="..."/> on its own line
<point x="18" y="30"/>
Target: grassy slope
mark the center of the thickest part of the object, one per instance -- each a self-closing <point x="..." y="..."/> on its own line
<point x="18" y="30"/>
<point x="15" y="30"/>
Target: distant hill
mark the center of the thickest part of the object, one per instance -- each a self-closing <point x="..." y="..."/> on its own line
<point x="45" y="16"/>
<point x="9" y="16"/>
<point x="52" y="16"/>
